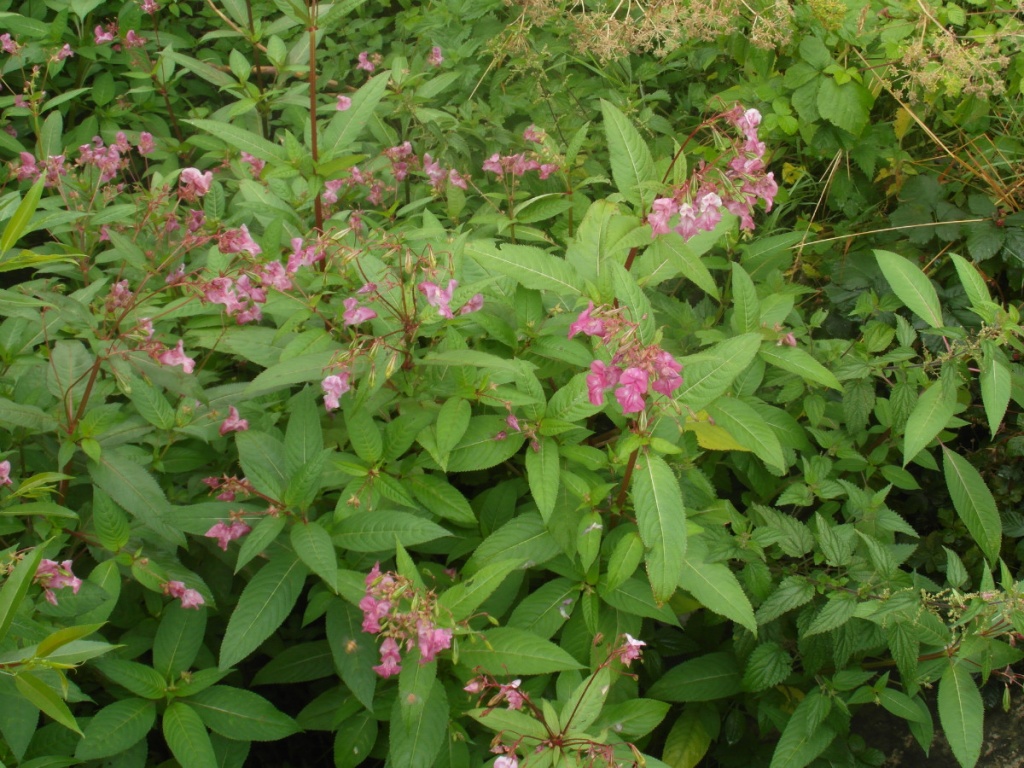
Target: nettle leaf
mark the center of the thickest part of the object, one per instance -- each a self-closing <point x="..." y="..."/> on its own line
<point x="263" y="606"/>
<point x="911" y="286"/>
<point x="974" y="502"/>
<point x="513" y="651"/>
<point x="241" y="715"/>
<point x="708" y="374"/>
<point x="632" y="166"/>
<point x="930" y="416"/>
<point x="464" y="598"/>
<point x="115" y="728"/>
<point x="377" y="530"/>
<point x="792" y="592"/>
<point x="846" y="105"/>
<point x="835" y="613"/>
<point x="961" y="712"/>
<point x="661" y="520"/>
<point x="187" y="738"/>
<point x="767" y="666"/>
<point x="705" y="678"/>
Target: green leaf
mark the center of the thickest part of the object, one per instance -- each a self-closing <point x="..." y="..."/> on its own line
<point x="688" y="740"/>
<point x="931" y="413"/>
<point x="262" y="457"/>
<point x="630" y="296"/>
<point x="16" y="586"/>
<point x="708" y="374"/>
<point x="802" y="740"/>
<point x="110" y="521"/>
<point x="546" y="609"/>
<point x="746" y="313"/>
<point x="962" y="713"/>
<point x="836" y="612"/>
<point x="911" y="286"/>
<point x="705" y="678"/>
<point x="901" y="705"/>
<point x="135" y="490"/>
<point x="482" y="446"/>
<point x="44" y="698"/>
<point x="243" y="140"/>
<point x="632" y="165"/>
<point x="767" y="666"/>
<point x="543" y="473"/>
<point x="972" y="281"/>
<point x="207" y="72"/>
<point x="661" y="519"/>
<point x="299" y="663"/>
<point x="441" y="498"/>
<point x="624" y="559"/>
<point x="263" y="606"/>
<point x="115" y="728"/>
<point x="263" y="534"/>
<point x="718" y="589"/>
<point x="187" y="738"/>
<point x="354" y="739"/>
<point x="792" y="592"/>
<point x="796" y="360"/>
<point x="314" y="547"/>
<point x="313" y="366"/>
<point x="464" y="598"/>
<point x="670" y="255"/>
<point x="364" y="434"/>
<point x="634" y="718"/>
<point x="846" y="106"/>
<point x="510" y="721"/>
<point x="242" y="715"/>
<point x="744" y="424"/>
<point x="531" y="267"/>
<point x="346" y="126"/>
<point x="996" y="384"/>
<point x="18" y="224"/>
<point x="151" y="404"/>
<point x="303" y="440"/>
<point x="974" y="503"/>
<point x="138" y="678"/>
<point x="512" y="651"/>
<point x="452" y="422"/>
<point x="377" y="530"/>
<point x="417" y="737"/>
<point x="586" y="702"/>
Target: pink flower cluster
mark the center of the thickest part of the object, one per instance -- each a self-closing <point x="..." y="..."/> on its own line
<point x="416" y="626"/>
<point x="225" y="532"/>
<point x="302" y="256"/>
<point x="366" y="62"/>
<point x="334" y="386"/>
<point x="700" y="201"/>
<point x="518" y="165"/>
<point x="229" y="487"/>
<point x="636" y="368"/>
<point x="109" y="160"/>
<point x="242" y="297"/>
<point x="9" y="44"/>
<point x="51" y="575"/>
<point x="193" y="183"/>
<point x="442" y="298"/>
<point x="190" y="598"/>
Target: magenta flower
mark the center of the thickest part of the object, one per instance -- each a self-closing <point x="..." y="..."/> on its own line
<point x="389" y="658"/>
<point x="255" y="164"/>
<point x="225" y="533"/>
<point x="8" y="44"/>
<point x="103" y="35"/>
<point x="331" y="190"/>
<point x="177" y="356"/>
<point x="630" y="650"/>
<point x="475" y="304"/>
<point x="591" y="326"/>
<point x="334" y="387"/>
<point x="51" y="575"/>
<point x="194" y="183"/>
<point x="190" y="598"/>
<point x="344" y="103"/>
<point x="435" y="57"/>
<point x="150" y="6"/>
<point x="667" y="369"/>
<point x="438" y="297"/>
<point x="146" y="145"/>
<point x="273" y="274"/>
<point x="600" y="379"/>
<point x="493" y="164"/>
<point x="302" y="256"/>
<point x="534" y="134"/>
<point x="364" y="62"/>
<point x="64" y="53"/>
<point x="28" y="168"/>
<point x="132" y="40"/>
<point x="662" y="211"/>
<point x="506" y="761"/>
<point x="432" y="640"/>
<point x="233" y="424"/>
<point x="510" y="693"/>
<point x="632" y="388"/>
<point x="237" y="241"/>
<point x="354" y="314"/>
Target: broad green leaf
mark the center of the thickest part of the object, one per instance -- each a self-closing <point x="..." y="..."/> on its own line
<point x="748" y="429"/>
<point x="510" y="721"/>
<point x="972" y="281"/>
<point x="705" y="678"/>
<point x="586" y="702"/>
<point x="961" y="712"/>
<point x="240" y="714"/>
<point x="441" y="498"/>
<point x="417" y="739"/>
<point x="483" y="447"/>
<point x="746" y="312"/>
<point x="545" y="610"/>
<point x="802" y="741"/>
<point x="262" y="457"/>
<point x="263" y="534"/>
<point x="151" y="404"/>
<point x="354" y="739"/>
<point x="973" y="502"/>
<point x="452" y="422"/>
<point x="354" y="651"/>
<point x="303" y="439"/>
<point x="767" y="666"/>
<point x="929" y="417"/>
<point x="629" y="295"/>
<point x="314" y="547"/>
<point x="44" y="698"/>
<point x="16" y="586"/>
<point x="688" y="740"/>
<point x="911" y="286"/>
<point x="718" y="589"/>
<point x="661" y="519"/>
<point x="836" y="612"/>
<point x="115" y="728"/>
<point x="364" y="434"/>
<point x="846" y="105"/>
<point x="634" y="596"/>
<point x="187" y="738"/>
<point x="377" y="531"/>
<point x="464" y="598"/>
<point x="135" y="490"/>
<point x="524" y="536"/>
<point x="543" y="474"/>
<point x="901" y="705"/>
<point x="27" y="417"/>
<point x="207" y="72"/>
<point x="796" y="360"/>
<point x="243" y="140"/>
<point x="313" y="366"/>
<point x="624" y="559"/>
<point x="792" y="592"/>
<point x="110" y="521"/>
<point x="346" y="126"/>
<point x="635" y="718"/>
<point x="18" y="724"/>
<point x="298" y="663"/>
<point x="996" y="384"/>
<point x="708" y="374"/>
<point x="670" y="255"/>
<point x="264" y="604"/>
<point x="138" y="678"/>
<point x="512" y="651"/>
<point x="530" y="266"/>
<point x="18" y="223"/>
<point x="632" y="165"/>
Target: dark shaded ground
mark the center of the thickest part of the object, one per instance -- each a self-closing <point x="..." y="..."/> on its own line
<point x="1003" y="746"/>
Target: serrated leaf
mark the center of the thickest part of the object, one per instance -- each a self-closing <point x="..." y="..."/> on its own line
<point x="303" y="439"/>
<point x="135" y="490"/>
<point x="901" y="705"/>
<point x="262" y="457"/>
<point x="417" y="738"/>
<point x="632" y="165"/>
<point x="974" y="503"/>
<point x="178" y="640"/>
<point x="846" y="105"/>
<point x="187" y="738"/>
<point x="46" y="700"/>
<point x="138" y="678"/>
<point x="377" y="531"/>
<point x="364" y="434"/>
<point x="792" y="592"/>
<point x="705" y="678"/>
<point x="346" y="126"/>
<point x="18" y="224"/>
<point x="661" y="520"/>
<point x="543" y="474"/>
<point x="718" y="589"/>
<point x="962" y="713"/>
<point x="796" y="360"/>
<point x="441" y="498"/>
<point x="708" y="374"/>
<point x="241" y="715"/>
<point x="243" y="140"/>
<point x="512" y="651"/>
<point x="930" y="416"/>
<point x="670" y="255"/>
<point x="972" y="281"/>
<point x="835" y="613"/>
<point x="110" y="521"/>
<point x="802" y="741"/>
<point x="911" y="286"/>
<point x="115" y="728"/>
<point x="584" y="704"/>
<point x="767" y="666"/>
<point x="688" y="740"/>
<point x="16" y="586"/>
<point x="151" y="404"/>
<point x="746" y="312"/>
<point x="635" y="718"/>
<point x="530" y="266"/>
<point x="263" y="606"/>
<point x="630" y="296"/>
<point x="314" y="547"/>
<point x="546" y="608"/>
<point x="464" y="598"/>
<point x="452" y="422"/>
<point x="510" y="721"/>
<point x="749" y="430"/>
<point x="996" y="384"/>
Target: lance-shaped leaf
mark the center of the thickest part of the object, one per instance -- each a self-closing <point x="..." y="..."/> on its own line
<point x="661" y="520"/>
<point x="512" y="651"/>
<point x="378" y="530"/>
<point x="243" y="140"/>
<point x="115" y="728"/>
<point x="542" y="472"/>
<point x="240" y="714"/>
<point x="705" y="678"/>
<point x="464" y="598"/>
<point x="44" y="698"/>
<point x="709" y="374"/>
<point x="632" y="165"/>
<point x="802" y="739"/>
<point x="418" y="735"/>
<point x="718" y="589"/>
<point x="314" y="547"/>
<point x="264" y="604"/>
<point x="531" y="266"/>
<point x="962" y="713"/>
<point x="748" y="429"/>
<point x="973" y="282"/>
<point x="800" y="362"/>
<point x="911" y="286"/>
<point x="346" y="126"/>
<point x="932" y="412"/>
<point x="995" y="384"/>
<point x="187" y="737"/>
<point x="134" y="489"/>
<point x="973" y="502"/>
<point x="16" y="585"/>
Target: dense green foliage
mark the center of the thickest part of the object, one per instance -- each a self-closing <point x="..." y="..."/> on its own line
<point x="450" y="384"/>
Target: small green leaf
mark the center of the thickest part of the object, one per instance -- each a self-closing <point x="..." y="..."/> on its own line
<point x="16" y="585"/>
<point x="18" y="223"/>
<point x="704" y="678"/>
<point x="911" y="286"/>
<point x="44" y="698"/>
<point x="243" y="140"/>
<point x="742" y="422"/>
<point x="543" y="474"/>
<point x="961" y="712"/>
<point x="802" y="740"/>
<point x="688" y="740"/>
<point x="718" y="589"/>
<point x="138" y="678"/>
<point x="708" y="374"/>
<point x="346" y="126"/>
<point x="464" y="598"/>
<point x="836" y="612"/>
<point x="377" y="530"/>
<point x="796" y="360"/>
<point x="972" y="281"/>
<point x="974" y="503"/>
<point x="417" y="736"/>
<point x="996" y="384"/>
<point x="262" y="457"/>
<point x="767" y="666"/>
<point x="746" y="311"/>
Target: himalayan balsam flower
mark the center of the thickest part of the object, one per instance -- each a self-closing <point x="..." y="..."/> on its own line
<point x="64" y="53"/>
<point x="354" y="314"/>
<point x="237" y="241"/>
<point x="177" y="356"/>
<point x="51" y="575"/>
<point x="344" y="103"/>
<point x="435" y="57"/>
<point x="334" y="387"/>
<point x="510" y="693"/>
<point x="233" y="423"/>
<point x="146" y="144"/>
<point x="591" y="326"/>
<point x="132" y="40"/>
<point x="225" y="533"/>
<point x="389" y="658"/>
<point x="255" y="164"/>
<point x="8" y="44"/>
<point x="630" y="650"/>
<point x="194" y="183"/>
<point x="190" y="598"/>
<point x="103" y="35"/>
<point x="438" y="297"/>
<point x="5" y="473"/>
<point x="534" y="134"/>
<point x="506" y="761"/>
<point x="364" y="62"/>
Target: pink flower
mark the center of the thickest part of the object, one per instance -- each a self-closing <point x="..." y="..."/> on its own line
<point x="534" y="134"/>
<point x="190" y="598"/>
<point x="506" y="761"/>
<point x="513" y="422"/>
<point x="177" y="356"/>
<point x="150" y="6"/>
<point x="273" y="274"/>
<point x="546" y="169"/>
<point x="662" y="210"/>
<point x="475" y="304"/>
<point x="8" y="45"/>
<point x="600" y="379"/>
<point x="238" y="240"/>
<point x="233" y="424"/>
<point x="438" y="297"/>
<point x="28" y="168"/>
<point x="364" y="62"/>
<point x="476" y="685"/>
<point x="591" y="326"/>
<point x="344" y="103"/>
<point x="667" y="368"/>
<point x="456" y="179"/>
<point x="196" y="220"/>
<point x="334" y="387"/>
<point x="51" y="575"/>
<point x="354" y="314"/>
<point x="132" y="40"/>
<point x="389" y="658"/>
<point x="630" y="650"/>
<point x="632" y="388"/>
<point x="103" y="35"/>
<point x="435" y="57"/>
<point x="332" y="188"/>
<point x="225" y="533"/>
<point x="21" y="101"/>
<point x="146" y="145"/>
<point x="510" y="693"/>
<point x="302" y="256"/>
<point x="176" y="276"/>
<point x="493" y="164"/>
<point x="254" y="163"/>
<point x="64" y="53"/>
<point x="194" y="183"/>
<point x="432" y="640"/>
